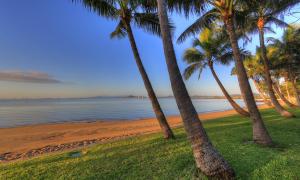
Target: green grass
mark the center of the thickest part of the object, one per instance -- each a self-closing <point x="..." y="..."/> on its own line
<point x="151" y="157"/>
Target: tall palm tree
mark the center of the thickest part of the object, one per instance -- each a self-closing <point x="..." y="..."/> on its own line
<point x="287" y="57"/>
<point x="227" y="11"/>
<point x="126" y="13"/>
<point x="262" y="13"/>
<point x="276" y="74"/>
<point x="207" y="158"/>
<point x="208" y="49"/>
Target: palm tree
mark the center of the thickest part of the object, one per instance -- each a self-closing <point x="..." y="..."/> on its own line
<point x="262" y="13"/>
<point x="207" y="158"/>
<point x="127" y="12"/>
<point x="287" y="57"/>
<point x="275" y="73"/>
<point x="207" y="50"/>
<point x="227" y="11"/>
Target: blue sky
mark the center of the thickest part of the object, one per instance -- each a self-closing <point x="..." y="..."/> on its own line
<point x="60" y="49"/>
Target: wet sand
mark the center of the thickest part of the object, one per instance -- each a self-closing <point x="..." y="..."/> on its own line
<point x="32" y="140"/>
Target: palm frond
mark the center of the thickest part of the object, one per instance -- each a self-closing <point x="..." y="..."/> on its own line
<point x="198" y="44"/>
<point x="191" y="69"/>
<point x="149" y="22"/>
<point x="268" y="29"/>
<point x="233" y="71"/>
<point x="119" y="32"/>
<point x="104" y="8"/>
<point x="193" y="55"/>
<point x="205" y="20"/>
<point x="273" y="40"/>
<point x="187" y="7"/>
<point x="282" y="6"/>
<point x="277" y="22"/>
<point x="226" y="58"/>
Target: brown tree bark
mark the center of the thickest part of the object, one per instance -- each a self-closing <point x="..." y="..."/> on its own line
<point x="235" y="106"/>
<point x="268" y="79"/>
<point x="167" y="132"/>
<point x="260" y="133"/>
<point x="207" y="158"/>
<point x="262" y="95"/>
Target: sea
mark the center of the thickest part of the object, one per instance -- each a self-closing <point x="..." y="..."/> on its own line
<point x="37" y="111"/>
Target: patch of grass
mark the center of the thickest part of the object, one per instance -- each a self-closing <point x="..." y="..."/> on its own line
<point x="152" y="157"/>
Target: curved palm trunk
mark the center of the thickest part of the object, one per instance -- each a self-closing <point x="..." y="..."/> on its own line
<point x="262" y="95"/>
<point x="235" y="106"/>
<point x="155" y="104"/>
<point x="287" y="89"/>
<point x="207" y="158"/>
<point x="282" y="97"/>
<point x="260" y="133"/>
<point x="296" y="92"/>
<point x="268" y="79"/>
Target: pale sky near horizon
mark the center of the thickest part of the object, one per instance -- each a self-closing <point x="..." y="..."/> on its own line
<point x="60" y="49"/>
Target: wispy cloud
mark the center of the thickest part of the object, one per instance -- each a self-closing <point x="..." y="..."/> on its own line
<point x="28" y="77"/>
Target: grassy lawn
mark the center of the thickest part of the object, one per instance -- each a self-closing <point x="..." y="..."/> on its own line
<point x="151" y="157"/>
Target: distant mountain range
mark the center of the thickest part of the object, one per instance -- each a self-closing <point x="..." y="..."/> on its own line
<point x="234" y="96"/>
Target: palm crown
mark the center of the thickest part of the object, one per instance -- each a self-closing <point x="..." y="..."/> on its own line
<point x="209" y="48"/>
<point x="259" y="14"/>
<point x="126" y="12"/>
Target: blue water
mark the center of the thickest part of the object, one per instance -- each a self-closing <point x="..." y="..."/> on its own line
<point x="24" y="112"/>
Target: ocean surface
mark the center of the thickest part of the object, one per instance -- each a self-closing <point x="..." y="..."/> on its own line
<point x="25" y="112"/>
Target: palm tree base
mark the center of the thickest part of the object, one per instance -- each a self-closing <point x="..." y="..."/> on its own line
<point x="287" y="114"/>
<point x="169" y="135"/>
<point x="211" y="163"/>
<point x="261" y="135"/>
<point x="263" y="142"/>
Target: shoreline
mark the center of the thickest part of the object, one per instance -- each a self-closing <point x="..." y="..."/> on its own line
<point x="107" y="119"/>
<point x="28" y="141"/>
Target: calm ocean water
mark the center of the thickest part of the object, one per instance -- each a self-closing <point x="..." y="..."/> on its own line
<point x="24" y="112"/>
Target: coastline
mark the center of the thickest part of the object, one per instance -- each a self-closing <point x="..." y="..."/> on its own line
<point x="27" y="141"/>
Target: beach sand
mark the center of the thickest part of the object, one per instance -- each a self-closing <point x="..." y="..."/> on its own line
<point x="32" y="140"/>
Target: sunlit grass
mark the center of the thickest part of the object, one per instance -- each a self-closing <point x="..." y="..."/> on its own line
<point x="151" y="157"/>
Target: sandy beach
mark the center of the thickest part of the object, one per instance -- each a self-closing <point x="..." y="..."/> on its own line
<point x="32" y="140"/>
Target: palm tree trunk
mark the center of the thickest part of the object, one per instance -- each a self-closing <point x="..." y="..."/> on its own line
<point x="296" y="92"/>
<point x="260" y="133"/>
<point x="262" y="95"/>
<point x="235" y="106"/>
<point x="287" y="89"/>
<point x="282" y="97"/>
<point x="268" y="79"/>
<point x="168" y="134"/>
<point x="207" y="158"/>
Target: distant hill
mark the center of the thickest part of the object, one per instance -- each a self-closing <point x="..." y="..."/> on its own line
<point x="193" y="97"/>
